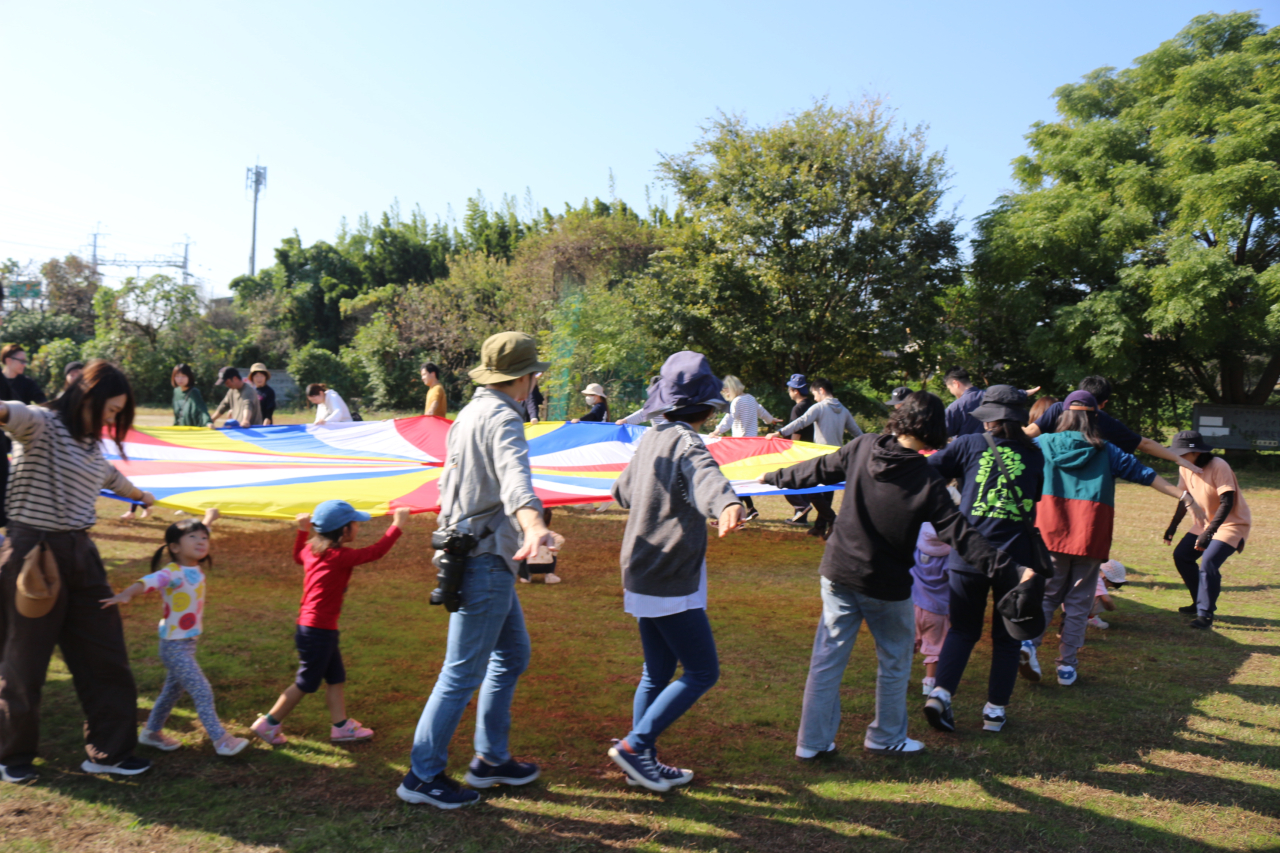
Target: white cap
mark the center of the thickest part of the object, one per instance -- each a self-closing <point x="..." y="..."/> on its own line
<point x="1113" y="570"/>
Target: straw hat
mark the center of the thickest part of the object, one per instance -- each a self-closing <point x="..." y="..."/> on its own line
<point x="259" y="367"/>
<point x="38" y="583"/>
<point x="595" y="388"/>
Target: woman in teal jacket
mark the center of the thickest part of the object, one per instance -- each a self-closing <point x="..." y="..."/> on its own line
<point x="188" y="404"/>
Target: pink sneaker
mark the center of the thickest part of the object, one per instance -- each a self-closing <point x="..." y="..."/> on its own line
<point x="159" y="740"/>
<point x="271" y="734"/>
<point x="351" y="732"/>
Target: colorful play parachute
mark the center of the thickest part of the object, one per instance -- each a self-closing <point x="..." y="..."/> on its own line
<point x="280" y="471"/>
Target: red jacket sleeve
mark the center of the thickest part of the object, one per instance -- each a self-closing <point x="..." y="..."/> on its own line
<point x="376" y="551"/>
<point x="298" y="544"/>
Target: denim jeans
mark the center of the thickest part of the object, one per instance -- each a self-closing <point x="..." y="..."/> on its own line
<point x="968" y="613"/>
<point x="683" y="638"/>
<point x="1202" y="571"/>
<point x="488" y="647"/>
<point x="1074" y="585"/>
<point x="892" y="625"/>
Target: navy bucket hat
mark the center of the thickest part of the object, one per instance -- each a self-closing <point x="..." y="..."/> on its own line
<point x="685" y="383"/>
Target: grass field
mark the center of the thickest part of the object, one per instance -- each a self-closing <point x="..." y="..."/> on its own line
<point x="1170" y="740"/>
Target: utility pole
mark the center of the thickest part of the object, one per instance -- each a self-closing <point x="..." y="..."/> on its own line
<point x="255" y="178"/>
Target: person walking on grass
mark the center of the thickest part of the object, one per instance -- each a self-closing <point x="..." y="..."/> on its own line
<point x="1201" y="553"/>
<point x="1002" y="509"/>
<point x="178" y="571"/>
<point x="437" y="405"/>
<point x="672" y="486"/>
<point x="1076" y="516"/>
<point x="240" y="402"/>
<point x="890" y="491"/>
<point x="52" y="580"/>
<point x="798" y="391"/>
<point x="259" y="376"/>
<point x="742" y="421"/>
<point x="489" y="508"/>
<point x="830" y="421"/>
<point x="327" y="568"/>
<point x="188" y="403"/>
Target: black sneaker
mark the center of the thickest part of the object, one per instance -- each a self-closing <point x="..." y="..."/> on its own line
<point x="130" y="766"/>
<point x="1202" y="622"/>
<point x="752" y="515"/>
<point x="1189" y="610"/>
<point x="510" y="772"/>
<point x="439" y="791"/>
<point x="17" y="773"/>
<point x="938" y="712"/>
<point x="642" y="767"/>
<point x="676" y="776"/>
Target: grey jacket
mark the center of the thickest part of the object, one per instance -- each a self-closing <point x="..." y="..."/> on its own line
<point x="830" y="419"/>
<point x="672" y="486"/>
<point x="486" y="474"/>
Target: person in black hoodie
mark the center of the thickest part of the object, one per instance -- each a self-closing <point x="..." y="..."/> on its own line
<point x="890" y="490"/>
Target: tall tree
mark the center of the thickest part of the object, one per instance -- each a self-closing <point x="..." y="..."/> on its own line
<point x="816" y="245"/>
<point x="1143" y="239"/>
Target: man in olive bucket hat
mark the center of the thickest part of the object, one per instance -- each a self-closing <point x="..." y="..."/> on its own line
<point x="489" y="520"/>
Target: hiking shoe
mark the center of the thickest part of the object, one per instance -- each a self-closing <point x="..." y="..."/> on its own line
<point x="510" y="772"/>
<point x="640" y="766"/>
<point x="906" y="747"/>
<point x="675" y="775"/>
<point x="271" y="734"/>
<point x="130" y="766"/>
<point x="349" y="732"/>
<point x="1096" y="622"/>
<point x="1028" y="664"/>
<point x="552" y="577"/>
<point x="937" y="710"/>
<point x="1066" y="675"/>
<point x="158" y="740"/>
<point x="439" y="791"/>
<point x="993" y="717"/>
<point x="752" y="515"/>
<point x="800" y="517"/>
<point x="229" y="745"/>
<point x="928" y="684"/>
<point x="1189" y="610"/>
<point x="17" y="773"/>
<point x="1202" y="622"/>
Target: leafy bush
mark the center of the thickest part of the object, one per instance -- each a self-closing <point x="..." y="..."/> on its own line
<point x="48" y="364"/>
<point x="314" y="363"/>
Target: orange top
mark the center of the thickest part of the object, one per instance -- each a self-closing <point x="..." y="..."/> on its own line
<point x="436" y="403"/>
<point x="1216" y="478"/>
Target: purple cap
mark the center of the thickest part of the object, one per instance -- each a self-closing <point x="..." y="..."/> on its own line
<point x="1080" y="400"/>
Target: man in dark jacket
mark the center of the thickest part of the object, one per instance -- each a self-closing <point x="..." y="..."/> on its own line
<point x="798" y="390"/>
<point x="890" y="490"/>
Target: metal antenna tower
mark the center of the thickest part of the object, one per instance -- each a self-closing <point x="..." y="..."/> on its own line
<point x="255" y="179"/>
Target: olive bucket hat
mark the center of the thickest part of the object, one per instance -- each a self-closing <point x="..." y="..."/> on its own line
<point x="507" y="356"/>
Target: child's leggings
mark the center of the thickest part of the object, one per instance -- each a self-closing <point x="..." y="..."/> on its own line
<point x="179" y="658"/>
<point x="683" y="638"/>
<point x="1201" y="571"/>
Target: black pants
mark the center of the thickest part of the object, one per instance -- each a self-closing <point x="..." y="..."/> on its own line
<point x="968" y="608"/>
<point x="747" y="504"/>
<point x="92" y="643"/>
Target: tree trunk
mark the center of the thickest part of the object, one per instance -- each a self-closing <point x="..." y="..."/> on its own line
<point x="1267" y="383"/>
<point x="1231" y="371"/>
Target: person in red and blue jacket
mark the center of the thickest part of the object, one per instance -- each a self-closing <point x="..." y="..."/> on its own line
<point x="1076" y="515"/>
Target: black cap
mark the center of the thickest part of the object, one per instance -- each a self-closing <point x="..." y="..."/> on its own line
<point x="1003" y="403"/>
<point x="899" y="396"/>
<point x="1189" y="440"/>
<point x="227" y="373"/>
<point x="1022" y="608"/>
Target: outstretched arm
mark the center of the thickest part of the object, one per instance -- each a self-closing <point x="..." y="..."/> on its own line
<point x="1154" y="448"/>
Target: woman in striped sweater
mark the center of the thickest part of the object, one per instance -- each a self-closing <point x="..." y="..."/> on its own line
<point x="58" y="469"/>
<point x="742" y="420"/>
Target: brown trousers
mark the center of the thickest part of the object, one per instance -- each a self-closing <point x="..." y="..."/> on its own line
<point x="92" y="643"/>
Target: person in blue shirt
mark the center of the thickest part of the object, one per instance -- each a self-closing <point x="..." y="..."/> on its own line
<point x="967" y="398"/>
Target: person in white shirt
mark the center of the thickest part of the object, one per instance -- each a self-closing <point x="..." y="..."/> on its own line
<point x="742" y="419"/>
<point x="330" y="407"/>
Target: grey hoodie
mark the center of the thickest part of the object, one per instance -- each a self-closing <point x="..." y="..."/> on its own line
<point x="829" y="419"/>
<point x="672" y="486"/>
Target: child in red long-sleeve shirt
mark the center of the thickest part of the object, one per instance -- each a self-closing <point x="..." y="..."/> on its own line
<point x="328" y="565"/>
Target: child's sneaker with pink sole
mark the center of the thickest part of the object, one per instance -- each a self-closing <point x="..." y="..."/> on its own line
<point x="271" y="734"/>
<point x="349" y="732"/>
<point x="230" y="745"/>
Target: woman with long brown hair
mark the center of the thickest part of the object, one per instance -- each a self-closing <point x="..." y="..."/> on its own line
<point x="52" y="578"/>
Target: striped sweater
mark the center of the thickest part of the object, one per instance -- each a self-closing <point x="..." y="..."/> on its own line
<point x="743" y="417"/>
<point x="55" y="479"/>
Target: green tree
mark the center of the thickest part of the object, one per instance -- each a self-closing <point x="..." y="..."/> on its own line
<point x="1143" y="238"/>
<point x="816" y="245"/>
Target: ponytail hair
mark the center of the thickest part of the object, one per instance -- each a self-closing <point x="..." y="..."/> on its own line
<point x="164" y="554"/>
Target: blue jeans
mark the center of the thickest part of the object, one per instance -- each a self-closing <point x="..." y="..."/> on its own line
<point x="488" y="647"/>
<point x="1202" y="571"/>
<point x="683" y="638"/>
<point x="892" y="625"/>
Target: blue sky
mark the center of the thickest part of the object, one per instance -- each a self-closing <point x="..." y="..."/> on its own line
<point x="144" y="116"/>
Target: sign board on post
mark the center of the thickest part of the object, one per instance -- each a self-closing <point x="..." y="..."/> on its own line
<point x="1239" y="427"/>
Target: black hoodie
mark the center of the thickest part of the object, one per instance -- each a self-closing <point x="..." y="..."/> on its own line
<point x="889" y="492"/>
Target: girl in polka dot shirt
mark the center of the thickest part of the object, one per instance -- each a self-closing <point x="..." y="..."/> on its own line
<point x="177" y="571"/>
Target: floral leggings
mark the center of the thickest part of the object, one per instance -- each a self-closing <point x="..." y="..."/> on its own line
<point x="179" y="658"/>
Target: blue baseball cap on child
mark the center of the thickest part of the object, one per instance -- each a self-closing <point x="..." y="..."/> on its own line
<point x="335" y="515"/>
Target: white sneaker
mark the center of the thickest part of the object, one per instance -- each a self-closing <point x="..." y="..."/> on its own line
<point x="928" y="685"/>
<point x="552" y="577"/>
<point x="1096" y="622"/>
<point x="1028" y="664"/>
<point x="993" y="717"/>
<point x="907" y="746"/>
<point x="524" y="580"/>
<point x="1066" y="675"/>
<point x="230" y="745"/>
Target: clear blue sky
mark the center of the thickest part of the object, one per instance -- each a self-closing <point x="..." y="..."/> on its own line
<point x="144" y="116"/>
